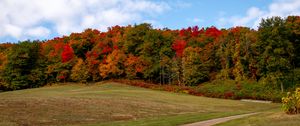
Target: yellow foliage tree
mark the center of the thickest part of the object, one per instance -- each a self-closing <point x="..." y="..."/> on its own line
<point x="194" y="70"/>
<point x="79" y="72"/>
<point x="113" y="65"/>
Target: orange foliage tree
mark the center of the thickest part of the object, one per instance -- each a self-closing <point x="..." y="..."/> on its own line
<point x="113" y="65"/>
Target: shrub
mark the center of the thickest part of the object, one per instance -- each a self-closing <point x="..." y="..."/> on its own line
<point x="291" y="103"/>
<point x="231" y="89"/>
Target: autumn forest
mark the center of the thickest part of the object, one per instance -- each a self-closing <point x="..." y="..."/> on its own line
<point x="191" y="56"/>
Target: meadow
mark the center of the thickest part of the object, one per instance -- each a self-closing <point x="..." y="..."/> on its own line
<point x="111" y="103"/>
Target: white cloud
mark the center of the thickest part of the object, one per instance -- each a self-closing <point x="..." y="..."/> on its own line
<point x="27" y="18"/>
<point x="282" y="8"/>
<point x="38" y="32"/>
<point x="254" y="15"/>
<point x="12" y="30"/>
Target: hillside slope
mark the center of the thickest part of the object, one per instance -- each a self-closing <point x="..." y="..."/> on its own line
<point x="112" y="104"/>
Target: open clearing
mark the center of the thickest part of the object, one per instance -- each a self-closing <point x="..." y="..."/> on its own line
<point x="114" y="104"/>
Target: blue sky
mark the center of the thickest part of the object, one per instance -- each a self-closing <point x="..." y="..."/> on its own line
<point x="207" y="12"/>
<point x="45" y="19"/>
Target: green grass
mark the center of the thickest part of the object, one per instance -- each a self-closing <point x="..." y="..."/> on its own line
<point x="269" y="118"/>
<point x="113" y="104"/>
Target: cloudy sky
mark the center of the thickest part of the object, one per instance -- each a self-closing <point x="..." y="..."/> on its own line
<point x="45" y="19"/>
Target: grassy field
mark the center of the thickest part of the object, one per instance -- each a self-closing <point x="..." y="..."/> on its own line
<point x="269" y="118"/>
<point x="114" y="104"/>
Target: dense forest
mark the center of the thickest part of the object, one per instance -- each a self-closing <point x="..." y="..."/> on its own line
<point x="269" y="55"/>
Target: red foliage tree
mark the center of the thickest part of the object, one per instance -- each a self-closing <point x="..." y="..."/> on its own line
<point x="179" y="46"/>
<point x="182" y="32"/>
<point x="106" y="50"/>
<point x="185" y="32"/>
<point x="213" y="32"/>
<point x="67" y="54"/>
<point x="196" y="31"/>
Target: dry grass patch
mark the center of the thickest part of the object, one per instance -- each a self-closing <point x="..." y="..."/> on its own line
<point x="109" y="102"/>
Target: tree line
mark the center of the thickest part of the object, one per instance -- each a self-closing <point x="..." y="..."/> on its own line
<point x="187" y="57"/>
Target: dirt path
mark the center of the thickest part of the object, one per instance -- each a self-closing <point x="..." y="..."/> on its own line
<point x="218" y="120"/>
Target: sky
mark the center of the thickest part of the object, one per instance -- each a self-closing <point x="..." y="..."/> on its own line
<point x="45" y="19"/>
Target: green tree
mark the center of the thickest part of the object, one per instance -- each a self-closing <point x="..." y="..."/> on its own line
<point x="84" y="42"/>
<point x="194" y="71"/>
<point x="22" y="60"/>
<point x="293" y="25"/>
<point x="276" y="51"/>
<point x="134" y="37"/>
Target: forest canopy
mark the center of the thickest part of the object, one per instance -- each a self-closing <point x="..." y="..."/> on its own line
<point x="190" y="56"/>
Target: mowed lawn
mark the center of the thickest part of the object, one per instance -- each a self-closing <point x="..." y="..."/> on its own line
<point x="114" y="104"/>
<point x="269" y="118"/>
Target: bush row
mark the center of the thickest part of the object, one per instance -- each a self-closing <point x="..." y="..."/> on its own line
<point x="230" y="89"/>
<point x="227" y="89"/>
